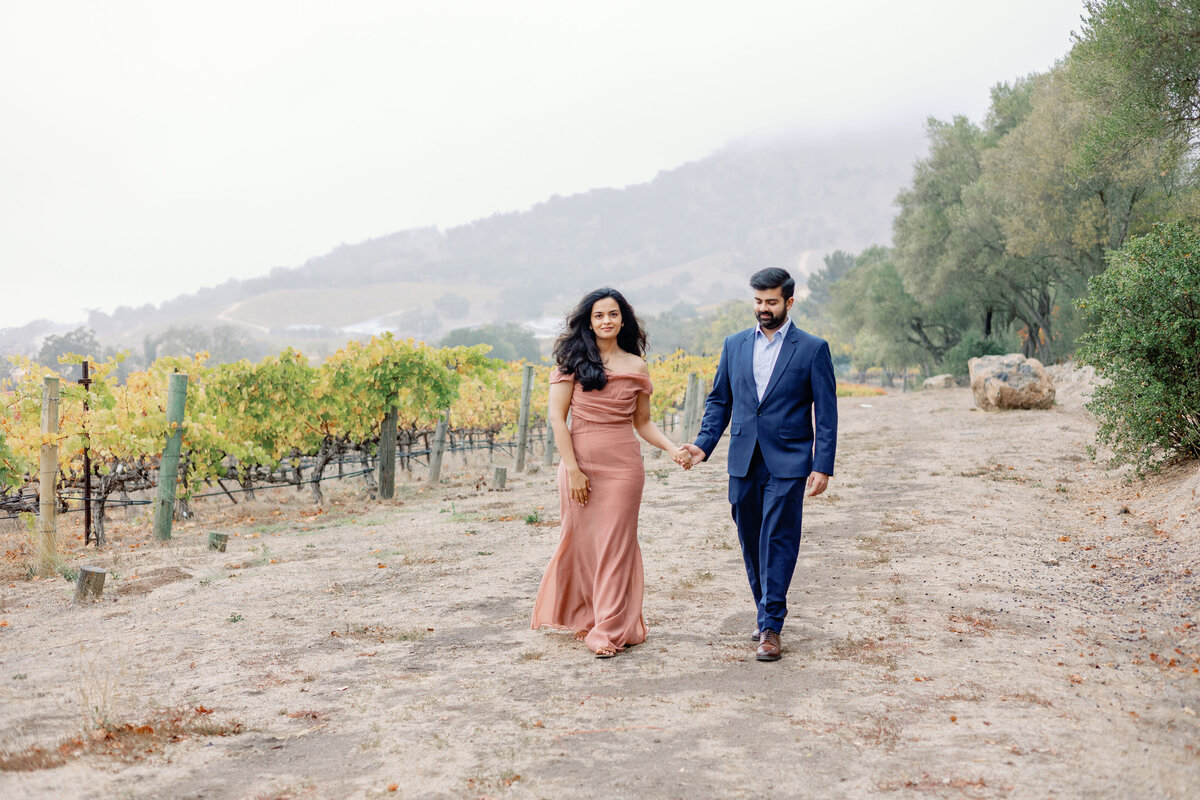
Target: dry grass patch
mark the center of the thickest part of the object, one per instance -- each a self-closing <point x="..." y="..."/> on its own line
<point x="946" y="787"/>
<point x="875" y="730"/>
<point x="149" y="580"/>
<point x="970" y="623"/>
<point x="126" y="741"/>
<point x="1028" y="697"/>
<point x="878" y="730"/>
<point x="894" y="523"/>
<point x="380" y="633"/>
<point x="867" y="650"/>
<point x="996" y="472"/>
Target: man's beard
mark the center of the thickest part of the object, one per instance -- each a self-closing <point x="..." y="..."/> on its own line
<point x="769" y="321"/>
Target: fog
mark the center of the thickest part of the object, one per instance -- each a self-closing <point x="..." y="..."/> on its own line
<point x="150" y="149"/>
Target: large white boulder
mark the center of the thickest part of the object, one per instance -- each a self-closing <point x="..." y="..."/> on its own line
<point x="1010" y="381"/>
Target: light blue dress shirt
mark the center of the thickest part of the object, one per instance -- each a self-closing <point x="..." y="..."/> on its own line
<point x="766" y="354"/>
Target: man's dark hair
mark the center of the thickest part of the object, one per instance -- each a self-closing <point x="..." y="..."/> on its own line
<point x="774" y="278"/>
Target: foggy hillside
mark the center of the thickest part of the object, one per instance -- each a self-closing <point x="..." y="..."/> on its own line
<point x="692" y="233"/>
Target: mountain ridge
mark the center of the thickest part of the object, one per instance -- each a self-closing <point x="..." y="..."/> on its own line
<point x="691" y="234"/>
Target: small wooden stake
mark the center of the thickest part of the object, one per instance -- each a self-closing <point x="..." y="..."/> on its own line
<point x="89" y="582"/>
<point x="501" y="477"/>
<point x="216" y="541"/>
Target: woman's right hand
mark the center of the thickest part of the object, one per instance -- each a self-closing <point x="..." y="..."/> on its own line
<point x="578" y="486"/>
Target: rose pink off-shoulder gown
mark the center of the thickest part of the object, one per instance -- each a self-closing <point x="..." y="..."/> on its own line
<point x="594" y="580"/>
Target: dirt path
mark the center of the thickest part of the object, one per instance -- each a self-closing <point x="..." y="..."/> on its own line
<point x="971" y="617"/>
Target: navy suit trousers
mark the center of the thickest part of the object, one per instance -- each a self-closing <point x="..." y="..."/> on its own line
<point x="768" y="512"/>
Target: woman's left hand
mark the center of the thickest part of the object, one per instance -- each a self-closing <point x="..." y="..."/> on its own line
<point x="681" y="457"/>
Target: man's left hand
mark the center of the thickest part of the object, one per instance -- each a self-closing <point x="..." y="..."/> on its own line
<point x="817" y="483"/>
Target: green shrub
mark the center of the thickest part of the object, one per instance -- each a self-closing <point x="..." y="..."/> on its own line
<point x="1145" y="341"/>
<point x="972" y="346"/>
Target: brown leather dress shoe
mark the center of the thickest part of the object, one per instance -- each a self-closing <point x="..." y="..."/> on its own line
<point x="769" y="647"/>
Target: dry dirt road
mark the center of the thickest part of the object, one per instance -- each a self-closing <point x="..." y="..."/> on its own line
<point x="973" y="615"/>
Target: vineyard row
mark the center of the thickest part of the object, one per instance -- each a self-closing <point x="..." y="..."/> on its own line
<point x="281" y="421"/>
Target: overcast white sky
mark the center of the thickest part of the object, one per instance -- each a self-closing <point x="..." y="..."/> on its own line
<point x="151" y="148"/>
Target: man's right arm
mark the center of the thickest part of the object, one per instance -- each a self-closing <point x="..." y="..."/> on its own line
<point x="718" y="407"/>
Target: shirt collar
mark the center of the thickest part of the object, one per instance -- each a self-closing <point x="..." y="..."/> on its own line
<point x="783" y="329"/>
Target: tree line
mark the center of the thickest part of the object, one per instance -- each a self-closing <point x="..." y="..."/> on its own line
<point x="1065" y="224"/>
<point x="1005" y="220"/>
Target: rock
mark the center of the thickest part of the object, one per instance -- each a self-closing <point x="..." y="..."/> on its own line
<point x="1011" y="381"/>
<point x="943" y="381"/>
<point x="1073" y="384"/>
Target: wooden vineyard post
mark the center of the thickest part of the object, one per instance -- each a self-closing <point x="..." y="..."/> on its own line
<point x="89" y="583"/>
<point x="548" y="456"/>
<point x="697" y="408"/>
<point x="387" y="454"/>
<point x="168" y="467"/>
<point x="501" y="477"/>
<point x="689" y="404"/>
<point x="523" y="423"/>
<point x="439" y="448"/>
<point x="48" y="478"/>
<point x="694" y="391"/>
<point x="86" y="382"/>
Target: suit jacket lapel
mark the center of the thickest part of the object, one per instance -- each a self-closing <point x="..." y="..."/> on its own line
<point x="787" y="348"/>
<point x="746" y="367"/>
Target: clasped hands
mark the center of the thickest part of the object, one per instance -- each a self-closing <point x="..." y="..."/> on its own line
<point x="687" y="455"/>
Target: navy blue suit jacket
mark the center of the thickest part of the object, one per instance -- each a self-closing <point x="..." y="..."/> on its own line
<point x="795" y="425"/>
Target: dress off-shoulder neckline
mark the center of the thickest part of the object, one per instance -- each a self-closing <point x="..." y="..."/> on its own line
<point x="609" y="373"/>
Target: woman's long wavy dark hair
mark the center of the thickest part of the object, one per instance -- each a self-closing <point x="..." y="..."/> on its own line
<point x="576" y="352"/>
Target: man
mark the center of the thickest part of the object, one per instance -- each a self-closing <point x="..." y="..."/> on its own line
<point x="775" y="383"/>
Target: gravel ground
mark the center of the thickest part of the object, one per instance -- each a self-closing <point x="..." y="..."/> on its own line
<point x="978" y="611"/>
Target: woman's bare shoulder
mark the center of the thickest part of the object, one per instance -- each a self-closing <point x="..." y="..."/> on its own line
<point x="636" y="364"/>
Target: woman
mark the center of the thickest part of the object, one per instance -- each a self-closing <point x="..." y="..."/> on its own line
<point x="593" y="584"/>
